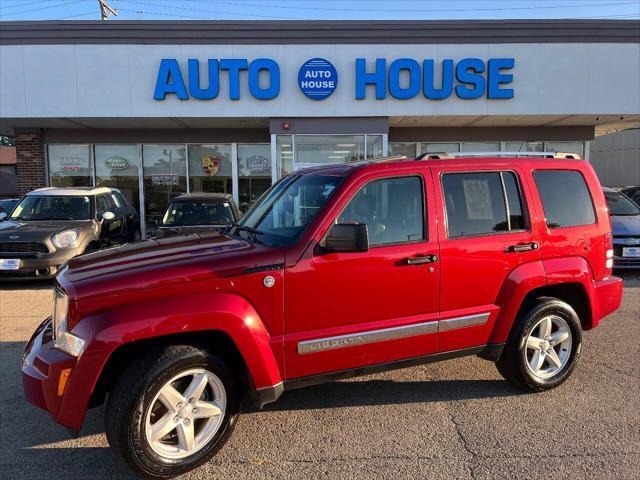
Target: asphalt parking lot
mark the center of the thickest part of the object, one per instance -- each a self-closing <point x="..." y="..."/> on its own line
<point x="454" y="419"/>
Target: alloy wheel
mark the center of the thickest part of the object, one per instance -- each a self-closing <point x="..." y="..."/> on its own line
<point x="185" y="414"/>
<point x="548" y="347"/>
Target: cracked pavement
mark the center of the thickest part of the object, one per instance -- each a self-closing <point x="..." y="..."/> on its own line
<point x="454" y="419"/>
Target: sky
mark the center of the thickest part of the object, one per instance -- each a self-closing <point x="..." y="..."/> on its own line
<point x="319" y="9"/>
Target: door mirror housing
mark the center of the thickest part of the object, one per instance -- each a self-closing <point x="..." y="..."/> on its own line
<point x="347" y="237"/>
<point x="108" y="216"/>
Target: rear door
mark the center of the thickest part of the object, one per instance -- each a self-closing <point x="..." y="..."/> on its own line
<point x="347" y="310"/>
<point x="488" y="232"/>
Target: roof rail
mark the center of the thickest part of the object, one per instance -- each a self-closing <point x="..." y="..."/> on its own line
<point x="442" y="155"/>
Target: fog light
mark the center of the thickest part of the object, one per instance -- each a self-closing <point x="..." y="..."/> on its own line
<point x="70" y="344"/>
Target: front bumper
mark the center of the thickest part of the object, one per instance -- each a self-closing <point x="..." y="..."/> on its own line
<point x="40" y="267"/>
<point x="45" y="371"/>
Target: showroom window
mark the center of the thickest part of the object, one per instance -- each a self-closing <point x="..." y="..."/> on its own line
<point x="70" y="166"/>
<point x="118" y="166"/>
<point x="254" y="173"/>
<point x="408" y="150"/>
<point x="210" y="168"/>
<point x="165" y="176"/>
<point x="374" y="146"/>
<point x="439" y="147"/>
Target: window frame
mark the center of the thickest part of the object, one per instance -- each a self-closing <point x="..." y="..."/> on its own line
<point x="589" y="193"/>
<point x="523" y="203"/>
<point x="425" y="218"/>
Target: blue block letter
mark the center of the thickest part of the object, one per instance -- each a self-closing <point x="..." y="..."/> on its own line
<point x="430" y="90"/>
<point x="496" y="78"/>
<point x="273" y="69"/>
<point x="169" y="80"/>
<point x="395" y="68"/>
<point x="234" y="66"/>
<point x="377" y="78"/>
<point x="468" y="72"/>
<point x="211" y="91"/>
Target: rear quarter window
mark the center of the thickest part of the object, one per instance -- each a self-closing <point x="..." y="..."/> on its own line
<point x="565" y="198"/>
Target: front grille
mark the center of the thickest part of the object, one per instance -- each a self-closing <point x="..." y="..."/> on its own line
<point x="24" y="247"/>
<point x="626" y="236"/>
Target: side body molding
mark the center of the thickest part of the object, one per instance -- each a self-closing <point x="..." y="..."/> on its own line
<point x="107" y="330"/>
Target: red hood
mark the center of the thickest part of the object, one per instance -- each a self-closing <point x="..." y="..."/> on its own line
<point x="153" y="263"/>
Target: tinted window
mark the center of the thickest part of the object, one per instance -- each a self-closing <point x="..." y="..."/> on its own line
<point x="117" y="200"/>
<point x="198" y="213"/>
<point x="392" y="208"/>
<point x="620" y="204"/>
<point x="565" y="198"/>
<point x="102" y="205"/>
<point x="514" y="201"/>
<point x="475" y="204"/>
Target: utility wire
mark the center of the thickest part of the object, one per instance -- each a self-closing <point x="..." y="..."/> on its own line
<point x="395" y="10"/>
<point x="42" y="8"/>
<point x="220" y="12"/>
<point x="18" y="5"/>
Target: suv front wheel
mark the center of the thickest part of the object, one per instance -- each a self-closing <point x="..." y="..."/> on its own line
<point x="171" y="411"/>
<point x="543" y="347"/>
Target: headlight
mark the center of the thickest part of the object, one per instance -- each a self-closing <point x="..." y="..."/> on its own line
<point x="64" y="340"/>
<point x="65" y="239"/>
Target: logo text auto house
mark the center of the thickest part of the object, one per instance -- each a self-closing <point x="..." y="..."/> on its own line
<point x="402" y="78"/>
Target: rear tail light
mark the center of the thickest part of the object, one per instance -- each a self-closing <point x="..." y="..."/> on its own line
<point x="608" y="245"/>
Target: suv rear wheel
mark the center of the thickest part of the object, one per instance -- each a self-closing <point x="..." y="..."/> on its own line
<point x="543" y="347"/>
<point x="171" y="411"/>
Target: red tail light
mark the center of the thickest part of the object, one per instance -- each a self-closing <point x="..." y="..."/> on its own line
<point x="608" y="246"/>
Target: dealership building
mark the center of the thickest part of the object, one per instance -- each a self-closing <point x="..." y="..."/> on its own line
<point x="160" y="108"/>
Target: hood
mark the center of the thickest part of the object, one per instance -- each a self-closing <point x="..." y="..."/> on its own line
<point x="163" y="232"/>
<point x="37" y="231"/>
<point x="160" y="262"/>
<point x="625" y="224"/>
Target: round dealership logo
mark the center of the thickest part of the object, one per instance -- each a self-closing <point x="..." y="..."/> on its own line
<point x="317" y="78"/>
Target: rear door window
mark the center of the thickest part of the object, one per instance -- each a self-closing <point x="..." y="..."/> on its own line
<point x="482" y="203"/>
<point x="565" y="198"/>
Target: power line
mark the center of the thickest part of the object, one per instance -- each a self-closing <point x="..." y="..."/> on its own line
<point x="42" y="8"/>
<point x="18" y="5"/>
<point x="394" y="10"/>
<point x="252" y="15"/>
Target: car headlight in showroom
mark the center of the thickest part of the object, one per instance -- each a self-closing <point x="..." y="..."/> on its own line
<point x="62" y="339"/>
<point x="65" y="239"/>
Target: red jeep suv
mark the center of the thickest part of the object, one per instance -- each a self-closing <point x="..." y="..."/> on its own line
<point x="336" y="271"/>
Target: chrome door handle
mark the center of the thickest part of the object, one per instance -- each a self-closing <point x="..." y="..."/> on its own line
<point x="522" y="247"/>
<point x="422" y="259"/>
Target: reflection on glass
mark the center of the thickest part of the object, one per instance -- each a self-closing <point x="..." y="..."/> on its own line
<point x="480" y="147"/>
<point x="566" y="147"/>
<point x="374" y="146"/>
<point x="210" y="168"/>
<point x="254" y="173"/>
<point x="69" y="166"/>
<point x="164" y="178"/>
<point x="323" y="149"/>
<point x="524" y="146"/>
<point x="402" y="149"/>
<point x="284" y="149"/>
<point x="118" y="166"/>
<point x="440" y="147"/>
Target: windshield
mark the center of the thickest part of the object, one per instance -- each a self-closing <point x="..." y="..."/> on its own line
<point x="198" y="213"/>
<point x="284" y="211"/>
<point x="53" y="208"/>
<point x="620" y="204"/>
<point x="7" y="205"/>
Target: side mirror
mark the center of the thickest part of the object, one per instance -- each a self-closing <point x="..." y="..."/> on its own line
<point x="108" y="216"/>
<point x="347" y="237"/>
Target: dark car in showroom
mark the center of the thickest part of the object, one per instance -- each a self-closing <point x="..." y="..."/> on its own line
<point x="6" y="206"/>
<point x="625" y="226"/>
<point x="52" y="225"/>
<point x="197" y="213"/>
<point x="633" y="193"/>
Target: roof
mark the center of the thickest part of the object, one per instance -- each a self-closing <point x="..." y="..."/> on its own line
<point x="71" y="191"/>
<point x="261" y="32"/>
<point x="211" y="197"/>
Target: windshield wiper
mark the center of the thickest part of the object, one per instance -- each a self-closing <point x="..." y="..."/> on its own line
<point x="246" y="228"/>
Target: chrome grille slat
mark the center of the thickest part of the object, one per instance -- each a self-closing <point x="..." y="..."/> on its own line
<point x="23" y="247"/>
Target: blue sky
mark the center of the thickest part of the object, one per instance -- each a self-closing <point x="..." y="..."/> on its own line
<point x="319" y="9"/>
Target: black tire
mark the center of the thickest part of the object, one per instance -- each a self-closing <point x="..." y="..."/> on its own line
<point x="513" y="363"/>
<point x="130" y="400"/>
